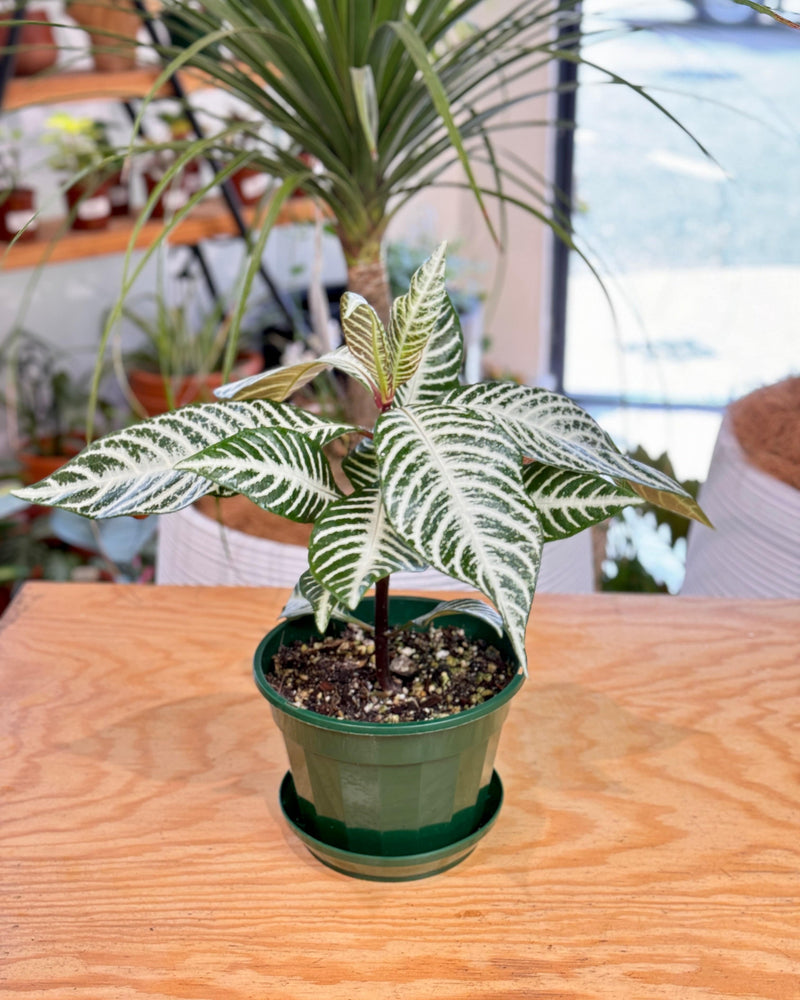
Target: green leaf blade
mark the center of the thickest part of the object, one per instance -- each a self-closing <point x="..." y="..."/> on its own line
<point x="277" y="384"/>
<point x="136" y="470"/>
<point x="366" y="340"/>
<point x="281" y="471"/>
<point x="568" y="502"/>
<point x="353" y="545"/>
<point x="439" y="368"/>
<point x="415" y="314"/>
<point x="452" y="485"/>
<point x="553" y="430"/>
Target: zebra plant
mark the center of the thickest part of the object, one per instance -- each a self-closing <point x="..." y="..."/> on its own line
<point x="469" y="479"/>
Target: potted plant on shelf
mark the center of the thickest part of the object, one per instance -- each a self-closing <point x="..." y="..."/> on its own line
<point x="81" y="152"/>
<point x="390" y="734"/>
<point x="45" y="404"/>
<point x="17" y="201"/>
<point x="181" y="359"/>
<point x="111" y="26"/>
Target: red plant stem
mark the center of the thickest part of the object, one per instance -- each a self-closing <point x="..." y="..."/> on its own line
<point x="382" y="634"/>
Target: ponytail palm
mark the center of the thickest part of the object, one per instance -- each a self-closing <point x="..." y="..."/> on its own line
<point x="384" y="94"/>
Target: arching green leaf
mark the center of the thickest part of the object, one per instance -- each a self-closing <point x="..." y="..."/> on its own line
<point x="553" y="430"/>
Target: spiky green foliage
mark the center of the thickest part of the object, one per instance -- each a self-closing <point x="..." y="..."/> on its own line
<point x="470" y="480"/>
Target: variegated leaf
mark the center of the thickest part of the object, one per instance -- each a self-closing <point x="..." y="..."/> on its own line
<point x="414" y="316"/>
<point x="439" y="369"/>
<point x="464" y="606"/>
<point x="365" y="337"/>
<point x="323" y="604"/>
<point x="452" y="484"/>
<point x="568" y="502"/>
<point x="135" y="470"/>
<point x="555" y="431"/>
<point x="361" y="465"/>
<point x="281" y="471"/>
<point x="279" y="383"/>
<point x="353" y="545"/>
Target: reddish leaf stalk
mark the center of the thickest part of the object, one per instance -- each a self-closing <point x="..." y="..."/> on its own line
<point x="382" y="634"/>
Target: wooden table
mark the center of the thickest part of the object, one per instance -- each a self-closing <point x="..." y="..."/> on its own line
<point x="649" y="845"/>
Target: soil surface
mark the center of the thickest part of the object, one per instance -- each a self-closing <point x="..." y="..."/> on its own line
<point x="437" y="673"/>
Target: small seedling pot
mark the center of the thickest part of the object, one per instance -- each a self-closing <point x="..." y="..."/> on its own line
<point x="389" y="801"/>
<point x="89" y="205"/>
<point x="250" y="184"/>
<point x="18" y="214"/>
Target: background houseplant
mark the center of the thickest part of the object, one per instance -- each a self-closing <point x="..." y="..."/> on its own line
<point x="17" y="200"/>
<point x="181" y="358"/>
<point x="80" y="151"/>
<point x="45" y="404"/>
<point x="469" y="479"/>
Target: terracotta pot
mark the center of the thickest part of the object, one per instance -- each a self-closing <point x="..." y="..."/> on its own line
<point x="89" y="205"/>
<point x="250" y="184"/>
<point x="35" y="466"/>
<point x="149" y="390"/>
<point x="37" y="48"/>
<point x="119" y="18"/>
<point x="17" y="207"/>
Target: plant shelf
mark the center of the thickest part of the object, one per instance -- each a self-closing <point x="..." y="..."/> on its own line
<point x="56" y="244"/>
<point x="89" y="85"/>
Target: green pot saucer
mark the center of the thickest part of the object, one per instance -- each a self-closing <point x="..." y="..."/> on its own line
<point x="397" y="868"/>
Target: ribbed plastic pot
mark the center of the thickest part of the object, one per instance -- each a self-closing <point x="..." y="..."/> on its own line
<point x="389" y="789"/>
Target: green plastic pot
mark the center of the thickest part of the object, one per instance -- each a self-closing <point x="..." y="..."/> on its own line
<point x="389" y="790"/>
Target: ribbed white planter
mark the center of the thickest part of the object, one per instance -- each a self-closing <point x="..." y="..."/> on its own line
<point x="195" y="549"/>
<point x="754" y="550"/>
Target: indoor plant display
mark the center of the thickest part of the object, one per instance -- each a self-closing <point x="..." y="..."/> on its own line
<point x="469" y="479"/>
<point x="80" y="150"/>
<point x="17" y="201"/>
<point x="45" y="404"/>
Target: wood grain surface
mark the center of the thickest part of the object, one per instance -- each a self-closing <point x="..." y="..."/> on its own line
<point x="648" y="847"/>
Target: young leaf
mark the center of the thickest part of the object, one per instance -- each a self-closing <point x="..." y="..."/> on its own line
<point x="135" y="470"/>
<point x="439" y="369"/>
<point x="365" y="337"/>
<point x="279" y="383"/>
<point x="452" y="484"/>
<point x="415" y="314"/>
<point x="280" y="470"/>
<point x="353" y="545"/>
<point x="568" y="502"/>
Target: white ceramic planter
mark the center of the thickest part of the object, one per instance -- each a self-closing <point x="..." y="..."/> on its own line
<point x="195" y="549"/>
<point x="754" y="550"/>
